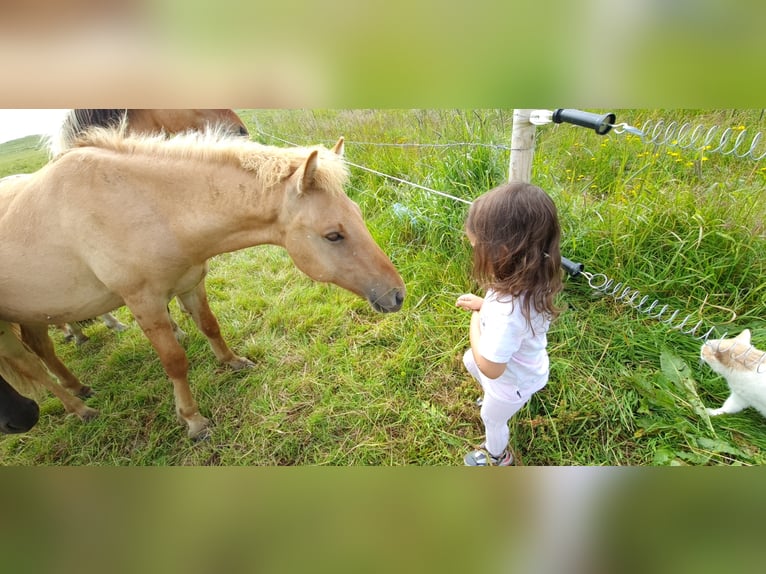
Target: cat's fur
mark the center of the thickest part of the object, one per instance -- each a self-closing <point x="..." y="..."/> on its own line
<point x="738" y="362"/>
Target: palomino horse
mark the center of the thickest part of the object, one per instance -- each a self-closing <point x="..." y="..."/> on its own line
<point x="136" y="121"/>
<point x="17" y="412"/>
<point x="133" y="221"/>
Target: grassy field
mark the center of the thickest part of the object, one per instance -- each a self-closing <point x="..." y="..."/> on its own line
<point x="23" y="155"/>
<point x="338" y="384"/>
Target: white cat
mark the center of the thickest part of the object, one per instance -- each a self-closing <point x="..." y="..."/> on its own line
<point x="744" y="368"/>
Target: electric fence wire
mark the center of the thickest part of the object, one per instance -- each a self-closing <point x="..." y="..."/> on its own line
<point x="620" y="292"/>
<point x="430" y="145"/>
<point x="739" y="141"/>
<point x="391" y="177"/>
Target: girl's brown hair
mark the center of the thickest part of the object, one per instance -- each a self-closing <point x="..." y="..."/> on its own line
<point x="516" y="245"/>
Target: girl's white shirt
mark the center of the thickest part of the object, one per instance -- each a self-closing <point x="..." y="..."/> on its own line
<point x="506" y="337"/>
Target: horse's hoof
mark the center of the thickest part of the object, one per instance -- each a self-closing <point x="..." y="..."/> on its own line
<point x="240" y="363"/>
<point x="87" y="414"/>
<point x="198" y="427"/>
<point x="81" y="339"/>
<point x="204" y="435"/>
<point x="119" y="327"/>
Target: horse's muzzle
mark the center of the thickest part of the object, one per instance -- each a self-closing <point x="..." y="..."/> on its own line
<point x="389" y="302"/>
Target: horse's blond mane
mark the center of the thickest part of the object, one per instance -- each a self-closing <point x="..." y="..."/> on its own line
<point x="270" y="163"/>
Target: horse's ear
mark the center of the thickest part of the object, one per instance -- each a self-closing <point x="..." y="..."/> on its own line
<point x="339" y="147"/>
<point x="309" y="171"/>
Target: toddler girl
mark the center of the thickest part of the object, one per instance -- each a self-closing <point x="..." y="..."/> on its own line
<point x="515" y="234"/>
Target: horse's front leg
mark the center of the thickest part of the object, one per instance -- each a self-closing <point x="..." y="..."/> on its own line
<point x="195" y="303"/>
<point x="155" y="322"/>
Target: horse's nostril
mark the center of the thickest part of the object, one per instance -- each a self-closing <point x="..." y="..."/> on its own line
<point x="399" y="297"/>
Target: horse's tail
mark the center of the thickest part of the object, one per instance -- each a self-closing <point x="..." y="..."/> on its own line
<point x="78" y="121"/>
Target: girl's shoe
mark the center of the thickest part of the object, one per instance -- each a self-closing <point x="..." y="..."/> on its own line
<point x="483" y="458"/>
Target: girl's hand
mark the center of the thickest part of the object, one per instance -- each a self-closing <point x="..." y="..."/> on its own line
<point x="469" y="302"/>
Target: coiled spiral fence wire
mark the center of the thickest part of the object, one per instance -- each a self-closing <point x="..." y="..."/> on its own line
<point x="673" y="318"/>
<point x="740" y="141"/>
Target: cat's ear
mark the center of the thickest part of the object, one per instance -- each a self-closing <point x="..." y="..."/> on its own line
<point x="744" y="337"/>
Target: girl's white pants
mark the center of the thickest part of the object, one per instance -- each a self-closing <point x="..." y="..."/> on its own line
<point x="495" y="412"/>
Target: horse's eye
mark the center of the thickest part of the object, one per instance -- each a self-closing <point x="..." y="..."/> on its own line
<point x="334" y="236"/>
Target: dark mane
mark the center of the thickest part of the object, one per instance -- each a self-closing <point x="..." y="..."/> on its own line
<point x="82" y="118"/>
<point x="78" y="121"/>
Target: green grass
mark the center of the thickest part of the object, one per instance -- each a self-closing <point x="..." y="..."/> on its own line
<point x="23" y="155"/>
<point x="337" y="384"/>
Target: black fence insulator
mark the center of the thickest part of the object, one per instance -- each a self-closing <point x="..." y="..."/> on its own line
<point x="601" y="123"/>
<point x="573" y="269"/>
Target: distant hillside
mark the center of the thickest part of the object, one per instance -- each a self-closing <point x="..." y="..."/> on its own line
<point x="23" y="155"/>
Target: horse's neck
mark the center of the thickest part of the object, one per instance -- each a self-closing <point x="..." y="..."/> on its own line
<point x="219" y="206"/>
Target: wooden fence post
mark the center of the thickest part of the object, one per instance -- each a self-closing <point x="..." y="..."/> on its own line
<point x="522" y="147"/>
